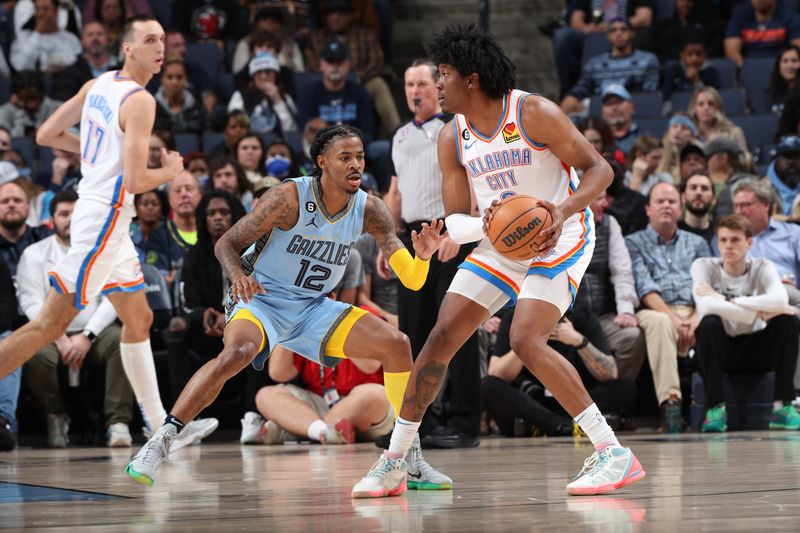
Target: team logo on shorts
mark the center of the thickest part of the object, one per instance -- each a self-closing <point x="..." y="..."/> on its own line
<point x="311" y="207"/>
<point x="465" y="134"/>
<point x="510" y="133"/>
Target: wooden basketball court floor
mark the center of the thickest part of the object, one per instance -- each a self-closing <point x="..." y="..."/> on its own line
<point x="738" y="481"/>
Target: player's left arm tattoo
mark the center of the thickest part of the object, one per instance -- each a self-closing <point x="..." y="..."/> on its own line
<point x="379" y="223"/>
<point x="600" y="365"/>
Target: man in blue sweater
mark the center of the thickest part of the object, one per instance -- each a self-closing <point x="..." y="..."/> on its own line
<point x="636" y="70"/>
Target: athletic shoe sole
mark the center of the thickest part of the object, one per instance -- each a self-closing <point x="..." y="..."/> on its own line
<point x="383" y="493"/>
<point x="141" y="478"/>
<point x="425" y="485"/>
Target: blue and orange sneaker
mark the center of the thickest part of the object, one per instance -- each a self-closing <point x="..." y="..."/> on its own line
<point x="606" y="471"/>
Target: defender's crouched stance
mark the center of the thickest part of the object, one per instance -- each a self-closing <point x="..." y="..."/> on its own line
<point x="299" y="238"/>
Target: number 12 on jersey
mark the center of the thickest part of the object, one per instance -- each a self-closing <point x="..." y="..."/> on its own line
<point x="93" y="142"/>
<point x="320" y="274"/>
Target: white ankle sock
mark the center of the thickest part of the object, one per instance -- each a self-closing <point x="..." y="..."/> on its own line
<point x="137" y="360"/>
<point x="402" y="437"/>
<point x="777" y="405"/>
<point x="594" y="424"/>
<point x="316" y="428"/>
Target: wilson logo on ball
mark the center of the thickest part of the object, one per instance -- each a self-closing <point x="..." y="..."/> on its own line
<point x="510" y="239"/>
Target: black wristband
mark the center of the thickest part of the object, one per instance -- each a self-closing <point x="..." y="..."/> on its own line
<point x="584" y="343"/>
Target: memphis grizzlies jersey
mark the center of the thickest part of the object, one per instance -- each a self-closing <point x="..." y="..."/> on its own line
<point x="102" y="141"/>
<point x="309" y="259"/>
<point x="509" y="162"/>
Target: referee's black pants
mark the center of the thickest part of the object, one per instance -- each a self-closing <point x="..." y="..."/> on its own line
<point x="417" y="313"/>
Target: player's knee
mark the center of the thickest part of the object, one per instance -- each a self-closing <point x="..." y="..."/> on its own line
<point x="400" y="343"/>
<point x="443" y="342"/>
<point x="236" y="356"/>
<point x="145" y="317"/>
<point x="527" y="344"/>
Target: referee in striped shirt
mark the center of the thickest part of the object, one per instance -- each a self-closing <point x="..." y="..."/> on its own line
<point x="414" y="197"/>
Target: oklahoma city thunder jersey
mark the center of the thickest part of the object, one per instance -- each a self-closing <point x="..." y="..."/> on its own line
<point x="102" y="141"/>
<point x="509" y="162"/>
<point x="309" y="259"/>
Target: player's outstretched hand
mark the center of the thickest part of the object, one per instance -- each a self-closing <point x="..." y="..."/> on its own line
<point x="488" y="213"/>
<point x="427" y="241"/>
<point x="172" y="161"/>
<point x="552" y="233"/>
<point x="244" y="288"/>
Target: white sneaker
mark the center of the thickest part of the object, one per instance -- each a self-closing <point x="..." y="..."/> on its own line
<point x="252" y="424"/>
<point x="606" y="471"/>
<point x="118" y="436"/>
<point x="194" y="432"/>
<point x="144" y="464"/>
<point x="57" y="431"/>
<point x="421" y="475"/>
<point x="387" y="477"/>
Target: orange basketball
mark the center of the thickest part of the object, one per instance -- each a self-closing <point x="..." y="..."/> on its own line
<point x="517" y="222"/>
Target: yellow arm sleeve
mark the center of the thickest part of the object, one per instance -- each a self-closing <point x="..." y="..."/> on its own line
<point x="411" y="272"/>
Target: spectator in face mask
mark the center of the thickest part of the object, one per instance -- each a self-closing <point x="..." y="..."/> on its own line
<point x="280" y="161"/>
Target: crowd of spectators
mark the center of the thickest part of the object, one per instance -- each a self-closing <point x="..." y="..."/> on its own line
<point x="669" y="99"/>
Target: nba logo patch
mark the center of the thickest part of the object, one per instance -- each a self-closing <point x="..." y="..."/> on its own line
<point x="510" y="133"/>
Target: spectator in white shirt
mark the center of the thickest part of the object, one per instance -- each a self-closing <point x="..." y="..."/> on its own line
<point x="747" y="325"/>
<point x="46" y="47"/>
<point x="93" y="334"/>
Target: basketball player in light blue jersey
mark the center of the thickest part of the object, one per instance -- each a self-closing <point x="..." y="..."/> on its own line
<point x="299" y="237"/>
<point x="503" y="142"/>
<point x="116" y="116"/>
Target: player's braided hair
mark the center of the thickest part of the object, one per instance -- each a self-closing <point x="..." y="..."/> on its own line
<point x="328" y="135"/>
<point x="469" y="49"/>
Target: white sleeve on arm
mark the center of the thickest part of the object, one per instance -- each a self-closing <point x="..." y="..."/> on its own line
<point x="31" y="290"/>
<point x="621" y="267"/>
<point x="464" y="229"/>
<point x="774" y="298"/>
<point x="708" y="305"/>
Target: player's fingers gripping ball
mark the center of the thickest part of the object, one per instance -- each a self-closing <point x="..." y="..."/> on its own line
<point x="515" y="226"/>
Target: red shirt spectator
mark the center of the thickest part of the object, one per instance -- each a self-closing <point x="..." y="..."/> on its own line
<point x="344" y="376"/>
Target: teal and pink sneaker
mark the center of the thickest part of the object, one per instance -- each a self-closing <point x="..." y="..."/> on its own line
<point x="606" y="471"/>
<point x="785" y="418"/>
<point x="387" y="477"/>
<point x="716" y="420"/>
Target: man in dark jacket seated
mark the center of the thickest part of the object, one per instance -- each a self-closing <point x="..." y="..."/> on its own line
<point x="520" y="404"/>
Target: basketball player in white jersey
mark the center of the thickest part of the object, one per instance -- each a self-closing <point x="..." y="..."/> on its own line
<point x="504" y="142"/>
<point x="116" y="117"/>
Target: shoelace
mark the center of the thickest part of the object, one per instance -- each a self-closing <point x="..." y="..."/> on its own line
<point x="594" y="462"/>
<point x="150" y="453"/>
<point x="600" y="460"/>
<point x="381" y="468"/>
